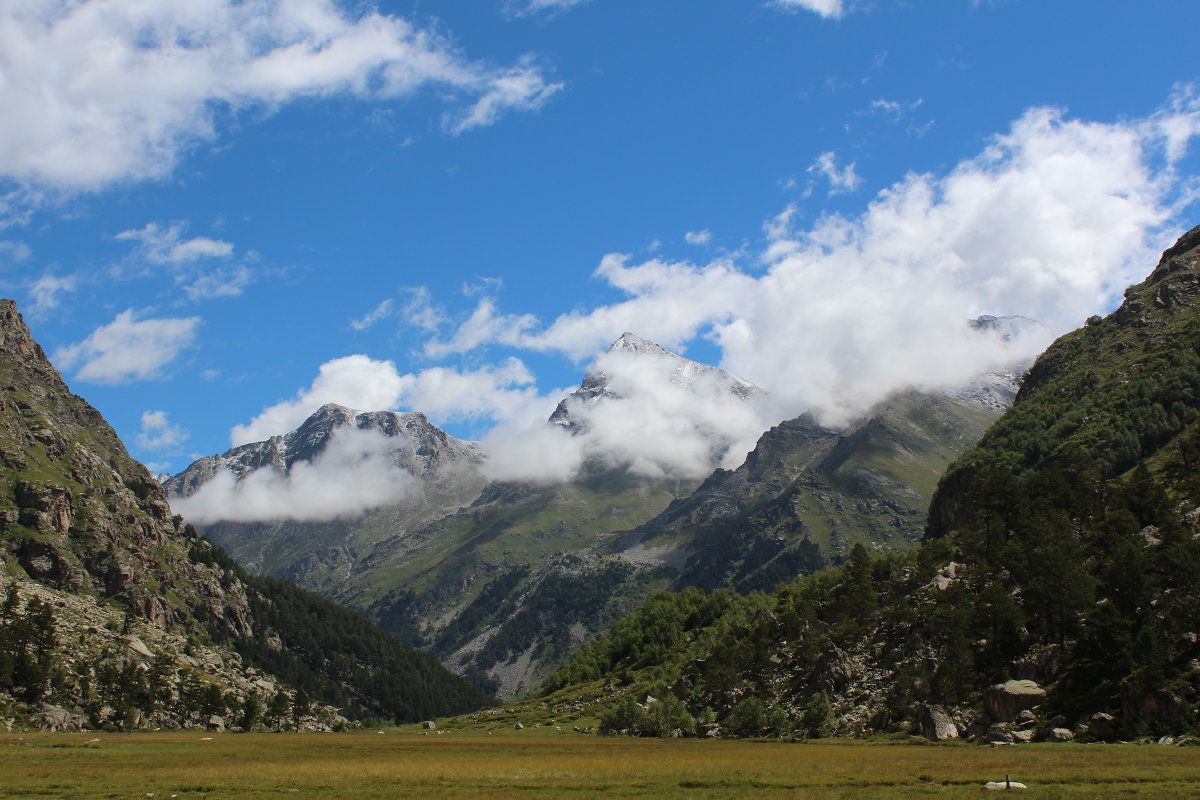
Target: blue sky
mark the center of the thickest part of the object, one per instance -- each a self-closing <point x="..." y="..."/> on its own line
<point x="217" y="216"/>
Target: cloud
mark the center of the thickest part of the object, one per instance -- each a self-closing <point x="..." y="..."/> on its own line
<point x="47" y="290"/>
<point x="114" y="90"/>
<point x="655" y="423"/>
<point x="187" y="258"/>
<point x="381" y="311"/>
<point x="158" y="433"/>
<point x="698" y="237"/>
<point x="221" y="282"/>
<point x="894" y="109"/>
<point x="528" y="8"/>
<point x="355" y="473"/>
<point x="14" y="252"/>
<point x="355" y="381"/>
<point x="1051" y="220"/>
<point x="668" y="302"/>
<point x="128" y="349"/>
<point x="160" y="245"/>
<point x="830" y="9"/>
<point x="840" y="180"/>
<point x="420" y="312"/>
<point x="484" y="326"/>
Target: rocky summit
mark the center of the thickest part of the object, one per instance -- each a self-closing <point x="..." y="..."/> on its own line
<point x="415" y="445"/>
<point x="597" y="384"/>
<point x="116" y="613"/>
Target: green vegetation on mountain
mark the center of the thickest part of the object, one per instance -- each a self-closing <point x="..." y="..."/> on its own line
<point x="807" y="494"/>
<point x="1062" y="551"/>
<point x="117" y="613"/>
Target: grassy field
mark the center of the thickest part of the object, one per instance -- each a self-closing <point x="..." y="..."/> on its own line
<point x="544" y="763"/>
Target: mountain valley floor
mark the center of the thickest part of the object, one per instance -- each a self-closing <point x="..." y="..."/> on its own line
<point x="548" y="763"/>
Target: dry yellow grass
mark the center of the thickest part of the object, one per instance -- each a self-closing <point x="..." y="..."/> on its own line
<point x="533" y="764"/>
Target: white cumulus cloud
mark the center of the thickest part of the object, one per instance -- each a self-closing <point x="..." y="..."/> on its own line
<point x="47" y="291"/>
<point x="112" y="90"/>
<point x="158" y="433"/>
<point x="128" y="349"/>
<point x="653" y="425"/>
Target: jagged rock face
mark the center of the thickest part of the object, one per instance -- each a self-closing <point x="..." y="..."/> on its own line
<point x="427" y="451"/>
<point x="682" y="372"/>
<point x="81" y="514"/>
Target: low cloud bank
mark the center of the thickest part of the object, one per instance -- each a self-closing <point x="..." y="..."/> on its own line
<point x="655" y="419"/>
<point x="355" y="473"/>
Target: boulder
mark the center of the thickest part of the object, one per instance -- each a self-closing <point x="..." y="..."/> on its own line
<point x="1103" y="726"/>
<point x="429" y="725"/>
<point x="935" y="724"/>
<point x="1004" y="701"/>
<point x="1059" y="735"/>
<point x="1000" y="732"/>
<point x="56" y="718"/>
<point x="1145" y="710"/>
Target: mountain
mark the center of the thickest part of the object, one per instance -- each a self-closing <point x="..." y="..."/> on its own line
<point x="117" y="613"/>
<point x="598" y="385"/>
<point x="807" y="494"/>
<point x="320" y="554"/>
<point x="414" y="445"/>
<point x="506" y="586"/>
<point x="463" y="568"/>
<point x="1054" y="595"/>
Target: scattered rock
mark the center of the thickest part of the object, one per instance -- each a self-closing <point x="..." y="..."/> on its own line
<point x="1004" y="701"/>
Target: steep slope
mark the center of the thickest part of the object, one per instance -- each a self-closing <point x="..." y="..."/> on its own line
<point x="1056" y="596"/>
<point x="1118" y="390"/>
<point x="806" y="494"/>
<point x="86" y="534"/>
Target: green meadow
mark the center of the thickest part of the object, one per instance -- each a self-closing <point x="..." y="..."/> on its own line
<point x="547" y="763"/>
